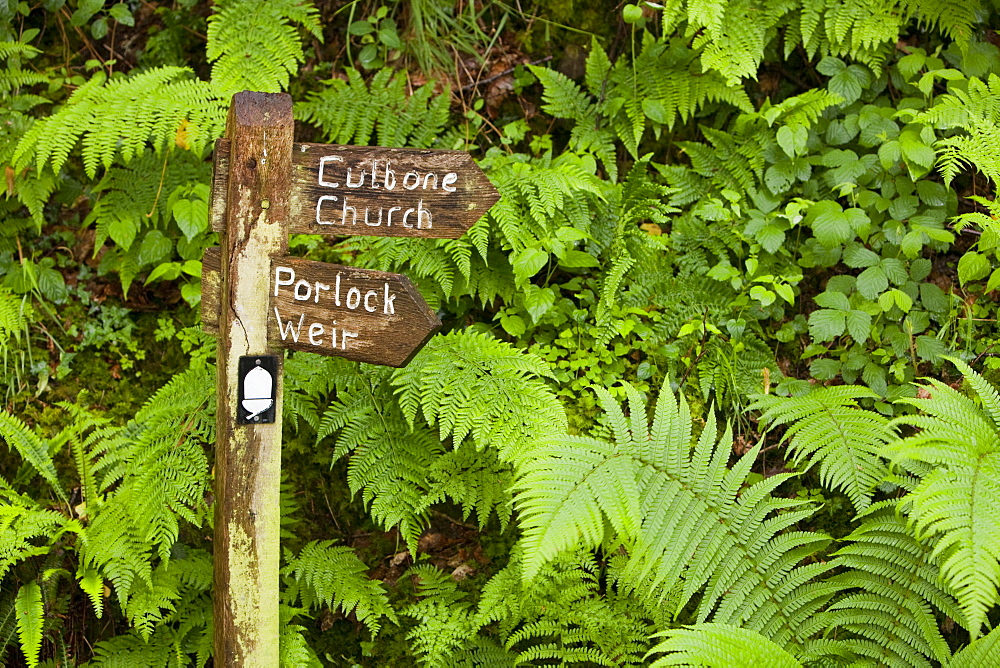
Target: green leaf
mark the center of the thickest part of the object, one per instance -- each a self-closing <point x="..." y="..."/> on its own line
<point x="871" y="282"/>
<point x="92" y="585"/>
<point x="762" y="294"/>
<point x="895" y="297"/>
<point x="529" y="262"/>
<point x="713" y="645"/>
<point x="155" y="248"/>
<point x="857" y="256"/>
<point x="826" y="324"/>
<point x="85" y="9"/>
<point x="122" y="231"/>
<point x="834" y="300"/>
<point x="933" y="298"/>
<point x="360" y="28"/>
<point x="537" y="301"/>
<point x="575" y="259"/>
<point x="972" y="266"/>
<point x="832" y="225"/>
<point x="121" y="13"/>
<point x="859" y="325"/>
<point x="513" y="325"/>
<point x="930" y="348"/>
<point x="191" y="216"/>
<point x="99" y="28"/>
<point x="792" y="140"/>
<point x="28" y="608"/>
<point x="770" y="237"/>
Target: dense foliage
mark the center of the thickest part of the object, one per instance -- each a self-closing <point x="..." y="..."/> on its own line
<point x="715" y="385"/>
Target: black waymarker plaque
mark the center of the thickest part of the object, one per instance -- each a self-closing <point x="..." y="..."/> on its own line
<point x="257" y="388"/>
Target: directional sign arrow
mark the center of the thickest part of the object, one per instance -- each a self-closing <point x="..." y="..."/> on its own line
<point x="374" y="191"/>
<point x="330" y="309"/>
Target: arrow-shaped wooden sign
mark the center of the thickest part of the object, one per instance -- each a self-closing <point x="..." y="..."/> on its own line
<point x="329" y="309"/>
<point x="374" y="191"/>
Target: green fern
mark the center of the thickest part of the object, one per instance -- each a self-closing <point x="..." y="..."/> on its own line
<point x="123" y="117"/>
<point x="828" y="428"/>
<point x="253" y="45"/>
<point x="956" y="501"/>
<point x="293" y="650"/>
<point x="470" y="384"/>
<point x="684" y="524"/>
<point x="983" y="651"/>
<point x="382" y="112"/>
<point x="29" y="609"/>
<point x="334" y="576"/>
<point x="894" y="596"/>
<point x="22" y="523"/>
<point x="32" y="449"/>
<point x="973" y="105"/>
<point x="153" y="472"/>
<point x="720" y="646"/>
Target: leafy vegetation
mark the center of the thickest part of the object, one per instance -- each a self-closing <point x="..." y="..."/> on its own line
<point x="716" y="379"/>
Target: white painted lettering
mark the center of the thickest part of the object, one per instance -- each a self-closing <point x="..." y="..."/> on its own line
<point x="406" y="180"/>
<point x="333" y="335"/>
<point x="429" y="175"/>
<point x="371" y="293"/>
<point x="421" y="211"/>
<point x="356" y="295"/>
<point x="390" y="177"/>
<point x="354" y="214"/>
<point x="374" y="173"/>
<point x="388" y="308"/>
<point x="336" y="294"/>
<point x="344" y="336"/>
<point x="319" y="205"/>
<point x="320" y="286"/>
<point x="322" y="164"/>
<point x="388" y="222"/>
<point x="407" y="215"/>
<point x="277" y="277"/>
<point x="379" y="218"/>
<point x="315" y="330"/>
<point x="300" y="284"/>
<point x="448" y="179"/>
<point x="285" y="332"/>
<point x="361" y="179"/>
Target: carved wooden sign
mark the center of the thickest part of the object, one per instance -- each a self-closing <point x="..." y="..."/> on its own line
<point x="330" y="309"/>
<point x="373" y="191"/>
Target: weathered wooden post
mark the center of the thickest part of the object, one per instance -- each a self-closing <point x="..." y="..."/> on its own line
<point x="263" y="188"/>
<point x="248" y="457"/>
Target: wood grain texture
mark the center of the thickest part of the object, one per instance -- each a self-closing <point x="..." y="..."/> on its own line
<point x="385" y="192"/>
<point x="359" y="314"/>
<point x="248" y="458"/>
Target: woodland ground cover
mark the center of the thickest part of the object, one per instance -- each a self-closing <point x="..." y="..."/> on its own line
<point x="715" y="385"/>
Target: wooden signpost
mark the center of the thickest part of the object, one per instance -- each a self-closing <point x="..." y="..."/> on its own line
<point x="258" y="300"/>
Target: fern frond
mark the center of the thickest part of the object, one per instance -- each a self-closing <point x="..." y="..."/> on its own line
<point x="472" y="384"/>
<point x="32" y="450"/>
<point x="720" y="646"/>
<point x="334" y="576"/>
<point x="685" y="523"/>
<point x="379" y="112"/>
<point x="253" y="44"/>
<point x="153" y="472"/>
<point x="983" y="651"/>
<point x="828" y="428"/>
<point x="124" y="116"/>
<point x="894" y="592"/>
<point x="29" y="609"/>
<point x="958" y="500"/>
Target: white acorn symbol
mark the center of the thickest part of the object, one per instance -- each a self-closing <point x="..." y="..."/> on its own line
<point x="257" y="392"/>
